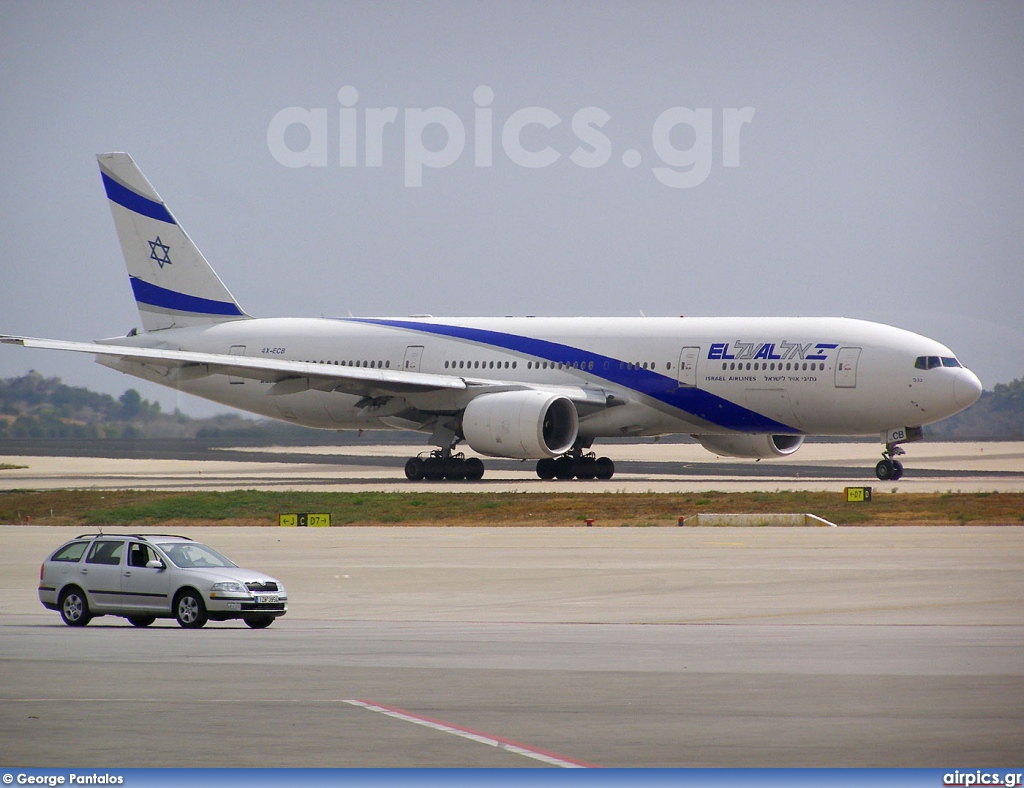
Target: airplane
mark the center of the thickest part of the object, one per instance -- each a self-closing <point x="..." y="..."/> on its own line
<point x="531" y="388"/>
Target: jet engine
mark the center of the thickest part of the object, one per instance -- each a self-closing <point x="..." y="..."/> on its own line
<point x="521" y="424"/>
<point x="759" y="446"/>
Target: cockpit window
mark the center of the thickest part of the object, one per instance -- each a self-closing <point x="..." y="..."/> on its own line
<point x="931" y="362"/>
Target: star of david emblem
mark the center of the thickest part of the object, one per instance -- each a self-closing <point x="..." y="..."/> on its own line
<point x="162" y="258"/>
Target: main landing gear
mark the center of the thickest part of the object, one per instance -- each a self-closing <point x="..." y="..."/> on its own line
<point x="456" y="467"/>
<point x="576" y="466"/>
<point x="438" y="466"/>
<point x="889" y="469"/>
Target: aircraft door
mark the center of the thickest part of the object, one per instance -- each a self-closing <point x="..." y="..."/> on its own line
<point x="413" y="354"/>
<point x="846" y="367"/>
<point x="236" y="350"/>
<point x="688" y="366"/>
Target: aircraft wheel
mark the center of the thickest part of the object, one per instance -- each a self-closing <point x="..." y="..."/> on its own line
<point x="433" y="469"/>
<point x="474" y="469"/>
<point x="586" y="468"/>
<point x="414" y="469"/>
<point x="546" y="469"/>
<point x="565" y="468"/>
<point x="604" y="468"/>
<point x="884" y="470"/>
<point x="897" y="471"/>
<point x="454" y="470"/>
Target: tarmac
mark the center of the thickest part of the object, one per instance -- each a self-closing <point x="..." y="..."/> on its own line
<point x="650" y="467"/>
<point x="542" y="647"/>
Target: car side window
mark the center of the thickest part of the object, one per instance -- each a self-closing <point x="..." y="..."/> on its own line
<point x="72" y="553"/>
<point x="105" y="552"/>
<point x="140" y="554"/>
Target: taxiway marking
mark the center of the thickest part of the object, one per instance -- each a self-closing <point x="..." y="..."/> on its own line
<point x="477" y="736"/>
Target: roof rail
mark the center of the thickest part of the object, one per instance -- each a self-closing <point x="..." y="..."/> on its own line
<point x="143" y="536"/>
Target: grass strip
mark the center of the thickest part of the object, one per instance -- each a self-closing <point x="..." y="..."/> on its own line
<point x="154" y="509"/>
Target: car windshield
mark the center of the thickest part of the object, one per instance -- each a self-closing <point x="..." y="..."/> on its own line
<point x="192" y="555"/>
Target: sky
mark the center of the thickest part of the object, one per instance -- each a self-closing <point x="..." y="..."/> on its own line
<point x="523" y="158"/>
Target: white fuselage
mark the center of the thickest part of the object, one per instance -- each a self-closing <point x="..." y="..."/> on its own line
<point x="789" y="376"/>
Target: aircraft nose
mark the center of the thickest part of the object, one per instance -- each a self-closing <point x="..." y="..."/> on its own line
<point x="966" y="388"/>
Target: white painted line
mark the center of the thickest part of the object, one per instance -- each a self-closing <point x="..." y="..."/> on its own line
<point x="466" y="733"/>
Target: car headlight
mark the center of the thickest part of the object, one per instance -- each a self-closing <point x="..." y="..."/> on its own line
<point x="229" y="588"/>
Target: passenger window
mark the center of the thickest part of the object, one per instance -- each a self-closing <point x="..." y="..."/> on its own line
<point x="71" y="553"/>
<point x="104" y="552"/>
<point x="139" y="555"/>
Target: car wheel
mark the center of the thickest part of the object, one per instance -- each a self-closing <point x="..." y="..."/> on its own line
<point x="189" y="609"/>
<point x="141" y="621"/>
<point x="74" y="608"/>
<point x="259" y="622"/>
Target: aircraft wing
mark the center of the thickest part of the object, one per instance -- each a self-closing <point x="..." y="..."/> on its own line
<point x="290" y="377"/>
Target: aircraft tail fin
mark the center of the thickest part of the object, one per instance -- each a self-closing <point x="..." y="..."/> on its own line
<point x="173" y="283"/>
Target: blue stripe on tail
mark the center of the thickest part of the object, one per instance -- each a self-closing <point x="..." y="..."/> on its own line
<point x="153" y="295"/>
<point x="133" y="201"/>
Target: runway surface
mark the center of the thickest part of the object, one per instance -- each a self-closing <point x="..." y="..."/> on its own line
<point x="650" y="467"/>
<point x="544" y="647"/>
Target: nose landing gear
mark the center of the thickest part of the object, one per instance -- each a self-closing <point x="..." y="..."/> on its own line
<point x="889" y="469"/>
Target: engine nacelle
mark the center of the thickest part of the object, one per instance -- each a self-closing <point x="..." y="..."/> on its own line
<point x="760" y="446"/>
<point x="527" y="425"/>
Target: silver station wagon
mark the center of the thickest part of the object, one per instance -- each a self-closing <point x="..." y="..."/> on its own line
<point x="143" y="577"/>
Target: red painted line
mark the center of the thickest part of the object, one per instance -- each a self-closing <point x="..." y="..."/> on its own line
<point x="468" y="733"/>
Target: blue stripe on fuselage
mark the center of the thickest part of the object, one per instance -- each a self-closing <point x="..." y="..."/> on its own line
<point x="663" y="388"/>
<point x="133" y="201"/>
<point x="154" y="295"/>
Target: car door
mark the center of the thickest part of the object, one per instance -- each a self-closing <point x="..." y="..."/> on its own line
<point x="100" y="574"/>
<point x="145" y="588"/>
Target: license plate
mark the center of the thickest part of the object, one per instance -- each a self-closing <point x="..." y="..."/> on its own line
<point x="262" y="599"/>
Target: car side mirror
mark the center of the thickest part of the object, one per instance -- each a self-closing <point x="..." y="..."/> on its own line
<point x="155" y="564"/>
